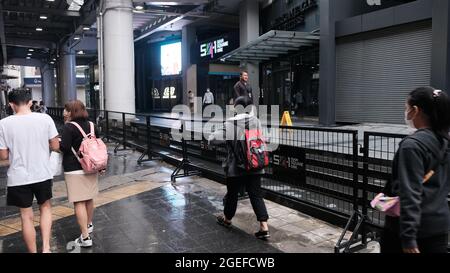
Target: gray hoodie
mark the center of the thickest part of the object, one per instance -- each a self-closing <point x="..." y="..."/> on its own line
<point x="424" y="210"/>
<point x="232" y="132"/>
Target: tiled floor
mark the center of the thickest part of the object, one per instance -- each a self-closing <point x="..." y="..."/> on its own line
<point x="143" y="212"/>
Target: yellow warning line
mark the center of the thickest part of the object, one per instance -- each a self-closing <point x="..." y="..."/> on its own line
<point x="14" y="225"/>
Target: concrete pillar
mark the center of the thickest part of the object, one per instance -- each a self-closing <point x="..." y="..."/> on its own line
<point x="118" y="56"/>
<point x="249" y="31"/>
<point x="189" y="70"/>
<point x="440" y="62"/>
<point x="48" y="85"/>
<point x="67" y="74"/>
<point x="327" y="82"/>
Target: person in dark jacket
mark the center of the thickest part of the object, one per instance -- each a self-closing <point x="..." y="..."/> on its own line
<point x="237" y="177"/>
<point x="242" y="88"/>
<point x="82" y="188"/>
<point x="421" y="174"/>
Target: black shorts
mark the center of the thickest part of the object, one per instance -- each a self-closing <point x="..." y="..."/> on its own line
<point x="22" y="196"/>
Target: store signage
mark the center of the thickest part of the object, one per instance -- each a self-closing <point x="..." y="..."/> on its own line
<point x="288" y="164"/>
<point x="212" y="48"/>
<point x="294" y="17"/>
<point x="374" y="2"/>
<point x="32" y="81"/>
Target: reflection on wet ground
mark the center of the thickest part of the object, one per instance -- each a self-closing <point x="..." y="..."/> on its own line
<point x="161" y="220"/>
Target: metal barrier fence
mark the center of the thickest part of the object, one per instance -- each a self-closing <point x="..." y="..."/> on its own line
<point x="321" y="172"/>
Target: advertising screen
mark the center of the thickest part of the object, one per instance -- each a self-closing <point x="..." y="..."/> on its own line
<point x="171" y="59"/>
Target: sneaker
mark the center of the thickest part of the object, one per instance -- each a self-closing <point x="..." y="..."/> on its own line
<point x="87" y="242"/>
<point x="263" y="235"/>
<point x="90" y="228"/>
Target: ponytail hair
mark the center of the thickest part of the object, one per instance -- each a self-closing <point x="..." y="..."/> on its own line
<point x="435" y="104"/>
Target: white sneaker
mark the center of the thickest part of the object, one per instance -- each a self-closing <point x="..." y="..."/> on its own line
<point x="90" y="228"/>
<point x="83" y="242"/>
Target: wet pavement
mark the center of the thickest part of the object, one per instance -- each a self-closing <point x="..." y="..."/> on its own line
<point x="123" y="162"/>
<point x="142" y="211"/>
<point x="162" y="220"/>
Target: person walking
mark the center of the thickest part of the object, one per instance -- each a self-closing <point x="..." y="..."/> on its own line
<point x="299" y="102"/>
<point x="242" y="88"/>
<point x="208" y="98"/>
<point x="42" y="107"/>
<point x="26" y="140"/>
<point x="236" y="176"/>
<point x="82" y="188"/>
<point x="421" y="178"/>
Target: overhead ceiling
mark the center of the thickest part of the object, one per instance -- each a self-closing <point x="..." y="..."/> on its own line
<point x="40" y="25"/>
<point x="36" y="27"/>
<point x="174" y="15"/>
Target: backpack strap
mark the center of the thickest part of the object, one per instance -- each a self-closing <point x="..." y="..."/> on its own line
<point x="92" y="133"/>
<point x="79" y="129"/>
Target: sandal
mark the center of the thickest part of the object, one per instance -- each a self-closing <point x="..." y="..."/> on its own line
<point x="221" y="221"/>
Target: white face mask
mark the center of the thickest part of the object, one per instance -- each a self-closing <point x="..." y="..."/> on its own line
<point x="409" y="122"/>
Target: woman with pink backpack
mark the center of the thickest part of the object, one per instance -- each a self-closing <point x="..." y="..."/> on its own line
<point x="84" y="157"/>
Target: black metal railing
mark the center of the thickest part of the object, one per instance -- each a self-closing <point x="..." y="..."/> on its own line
<point x="319" y="171"/>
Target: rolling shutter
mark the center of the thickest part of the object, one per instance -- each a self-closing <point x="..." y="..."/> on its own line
<point x="375" y="71"/>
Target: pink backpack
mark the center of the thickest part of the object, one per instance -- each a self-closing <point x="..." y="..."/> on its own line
<point x="93" y="154"/>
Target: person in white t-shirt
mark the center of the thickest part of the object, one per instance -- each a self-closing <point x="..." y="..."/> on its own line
<point x="208" y="98"/>
<point x="26" y="140"/>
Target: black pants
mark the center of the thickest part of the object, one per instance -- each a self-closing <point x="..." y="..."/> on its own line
<point x="391" y="243"/>
<point x="253" y="186"/>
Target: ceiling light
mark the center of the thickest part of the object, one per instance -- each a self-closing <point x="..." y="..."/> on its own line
<point x="139" y="7"/>
<point x="38" y="29"/>
<point x="28" y="58"/>
<point x="50" y="0"/>
<point x="43" y="17"/>
<point x="81" y="52"/>
<point x="54" y="59"/>
<point x="30" y="49"/>
<point x="86" y="28"/>
<point x="52" y="62"/>
<point x="76" y="38"/>
<point x="29" y="54"/>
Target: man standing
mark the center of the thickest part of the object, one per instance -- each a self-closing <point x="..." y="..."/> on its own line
<point x="208" y="98"/>
<point x="26" y="140"/>
<point x="191" y="101"/>
<point x="242" y="88"/>
<point x="299" y="102"/>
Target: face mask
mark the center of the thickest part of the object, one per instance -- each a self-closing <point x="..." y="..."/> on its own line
<point x="409" y="122"/>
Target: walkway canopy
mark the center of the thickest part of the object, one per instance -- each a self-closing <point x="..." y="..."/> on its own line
<point x="273" y="44"/>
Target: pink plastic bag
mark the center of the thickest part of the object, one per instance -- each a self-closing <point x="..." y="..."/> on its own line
<point x="389" y="205"/>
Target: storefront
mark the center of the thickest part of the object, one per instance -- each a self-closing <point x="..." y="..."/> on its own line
<point x="158" y="75"/>
<point x="377" y="54"/>
<point x="211" y="72"/>
<point x="288" y="56"/>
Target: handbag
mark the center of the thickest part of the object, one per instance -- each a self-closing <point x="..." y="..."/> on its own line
<point x="56" y="163"/>
<point x="389" y="205"/>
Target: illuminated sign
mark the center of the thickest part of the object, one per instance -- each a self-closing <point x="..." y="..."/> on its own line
<point x="213" y="48"/>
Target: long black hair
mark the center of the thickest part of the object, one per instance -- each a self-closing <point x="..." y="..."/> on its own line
<point x="435" y="104"/>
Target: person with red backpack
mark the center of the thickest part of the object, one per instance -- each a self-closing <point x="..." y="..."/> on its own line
<point x="244" y="166"/>
<point x="84" y="157"/>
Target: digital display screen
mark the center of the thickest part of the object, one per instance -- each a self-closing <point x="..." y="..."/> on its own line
<point x="171" y="59"/>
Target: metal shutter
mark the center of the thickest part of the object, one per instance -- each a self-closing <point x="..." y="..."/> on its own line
<point x="376" y="70"/>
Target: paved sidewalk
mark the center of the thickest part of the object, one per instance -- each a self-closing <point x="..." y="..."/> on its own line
<point x="143" y="211"/>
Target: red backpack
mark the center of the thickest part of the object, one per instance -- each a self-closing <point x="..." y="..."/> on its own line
<point x="256" y="150"/>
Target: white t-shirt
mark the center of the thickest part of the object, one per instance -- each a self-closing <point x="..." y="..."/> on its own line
<point x="27" y="138"/>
